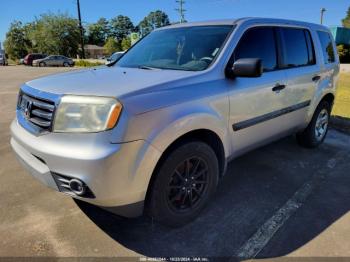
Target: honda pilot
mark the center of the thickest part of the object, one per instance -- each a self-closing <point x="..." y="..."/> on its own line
<point x="153" y="132"/>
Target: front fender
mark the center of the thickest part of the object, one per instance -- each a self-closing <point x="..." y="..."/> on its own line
<point x="163" y="138"/>
<point x="163" y="126"/>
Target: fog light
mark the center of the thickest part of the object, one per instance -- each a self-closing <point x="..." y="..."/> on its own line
<point x="77" y="187"/>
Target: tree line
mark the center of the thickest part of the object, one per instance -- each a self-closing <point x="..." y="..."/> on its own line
<point x="59" y="34"/>
<point x="344" y="49"/>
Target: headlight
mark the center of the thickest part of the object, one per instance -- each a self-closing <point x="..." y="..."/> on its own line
<point x="86" y="114"/>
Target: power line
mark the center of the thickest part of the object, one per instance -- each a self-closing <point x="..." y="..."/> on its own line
<point x="81" y="31"/>
<point x="181" y="10"/>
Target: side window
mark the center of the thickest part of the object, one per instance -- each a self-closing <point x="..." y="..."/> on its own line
<point x="260" y="43"/>
<point x="297" y="47"/>
<point x="327" y="47"/>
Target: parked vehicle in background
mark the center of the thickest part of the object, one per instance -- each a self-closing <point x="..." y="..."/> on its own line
<point x="54" y="60"/>
<point x="3" y="60"/>
<point x="114" y="57"/>
<point x="155" y="130"/>
<point x="28" y="60"/>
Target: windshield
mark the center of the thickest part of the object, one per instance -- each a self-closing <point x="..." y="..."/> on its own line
<point x="186" y="48"/>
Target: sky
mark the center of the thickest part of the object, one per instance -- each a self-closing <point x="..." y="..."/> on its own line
<point x="197" y="10"/>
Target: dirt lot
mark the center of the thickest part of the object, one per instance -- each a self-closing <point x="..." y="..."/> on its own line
<point x="280" y="200"/>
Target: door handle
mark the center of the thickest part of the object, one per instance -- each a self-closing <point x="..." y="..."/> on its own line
<point x="278" y="88"/>
<point x="316" y="78"/>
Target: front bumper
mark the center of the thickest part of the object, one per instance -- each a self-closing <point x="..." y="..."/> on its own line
<point x="117" y="174"/>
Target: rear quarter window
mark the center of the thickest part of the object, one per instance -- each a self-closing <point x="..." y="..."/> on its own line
<point x="327" y="47"/>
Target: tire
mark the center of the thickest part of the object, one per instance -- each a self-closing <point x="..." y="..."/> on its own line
<point x="312" y="136"/>
<point x="42" y="64"/>
<point x="65" y="64"/>
<point x="173" y="187"/>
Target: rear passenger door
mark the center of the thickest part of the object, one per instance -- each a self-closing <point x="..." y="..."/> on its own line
<point x="302" y="71"/>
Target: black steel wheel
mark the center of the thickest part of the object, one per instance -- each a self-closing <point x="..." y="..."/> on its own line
<point x="183" y="184"/>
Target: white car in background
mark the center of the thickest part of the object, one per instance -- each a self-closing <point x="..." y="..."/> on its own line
<point x="114" y="57"/>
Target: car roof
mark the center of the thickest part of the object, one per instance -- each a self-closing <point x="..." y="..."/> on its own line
<point x="248" y="19"/>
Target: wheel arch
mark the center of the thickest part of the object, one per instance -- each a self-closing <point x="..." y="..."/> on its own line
<point x="321" y="96"/>
<point x="329" y="97"/>
<point x="205" y="135"/>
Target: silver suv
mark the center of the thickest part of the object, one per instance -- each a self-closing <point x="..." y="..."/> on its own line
<point x="153" y="132"/>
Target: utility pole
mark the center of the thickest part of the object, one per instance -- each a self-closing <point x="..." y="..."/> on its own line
<point x="322" y="12"/>
<point x="81" y="31"/>
<point x="181" y="10"/>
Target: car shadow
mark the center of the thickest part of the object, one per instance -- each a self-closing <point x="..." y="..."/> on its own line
<point x="254" y="187"/>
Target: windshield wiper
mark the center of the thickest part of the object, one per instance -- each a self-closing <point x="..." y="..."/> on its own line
<point x="147" y="67"/>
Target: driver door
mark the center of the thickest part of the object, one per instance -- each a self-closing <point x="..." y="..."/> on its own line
<point x="257" y="104"/>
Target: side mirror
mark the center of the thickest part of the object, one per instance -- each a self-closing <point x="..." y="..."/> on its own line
<point x="245" y="67"/>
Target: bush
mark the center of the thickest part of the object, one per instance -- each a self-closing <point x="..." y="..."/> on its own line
<point x="344" y="53"/>
<point x="126" y="43"/>
<point x="112" y="46"/>
<point x="85" y="63"/>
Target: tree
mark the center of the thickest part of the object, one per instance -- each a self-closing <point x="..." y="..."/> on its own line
<point x="344" y="53"/>
<point x="346" y="20"/>
<point x="98" y="32"/>
<point x="152" y="21"/>
<point x="121" y="27"/>
<point x="55" y="34"/>
<point x="17" y="42"/>
<point x="111" y="46"/>
<point x="126" y="43"/>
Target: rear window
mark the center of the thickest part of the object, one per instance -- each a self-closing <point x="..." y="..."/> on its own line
<point x="260" y="43"/>
<point x="297" y="47"/>
<point x="327" y="47"/>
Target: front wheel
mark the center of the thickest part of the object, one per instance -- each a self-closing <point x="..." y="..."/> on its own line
<point x="317" y="130"/>
<point x="184" y="183"/>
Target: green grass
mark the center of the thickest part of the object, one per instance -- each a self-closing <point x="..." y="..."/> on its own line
<point x="85" y="63"/>
<point x="342" y="99"/>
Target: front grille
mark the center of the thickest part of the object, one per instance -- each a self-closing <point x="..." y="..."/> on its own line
<point x="37" y="111"/>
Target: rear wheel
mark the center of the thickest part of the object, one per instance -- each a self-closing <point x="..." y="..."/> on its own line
<point x="317" y="130"/>
<point x="184" y="183"/>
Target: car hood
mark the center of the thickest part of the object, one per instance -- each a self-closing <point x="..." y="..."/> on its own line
<point x="106" y="81"/>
